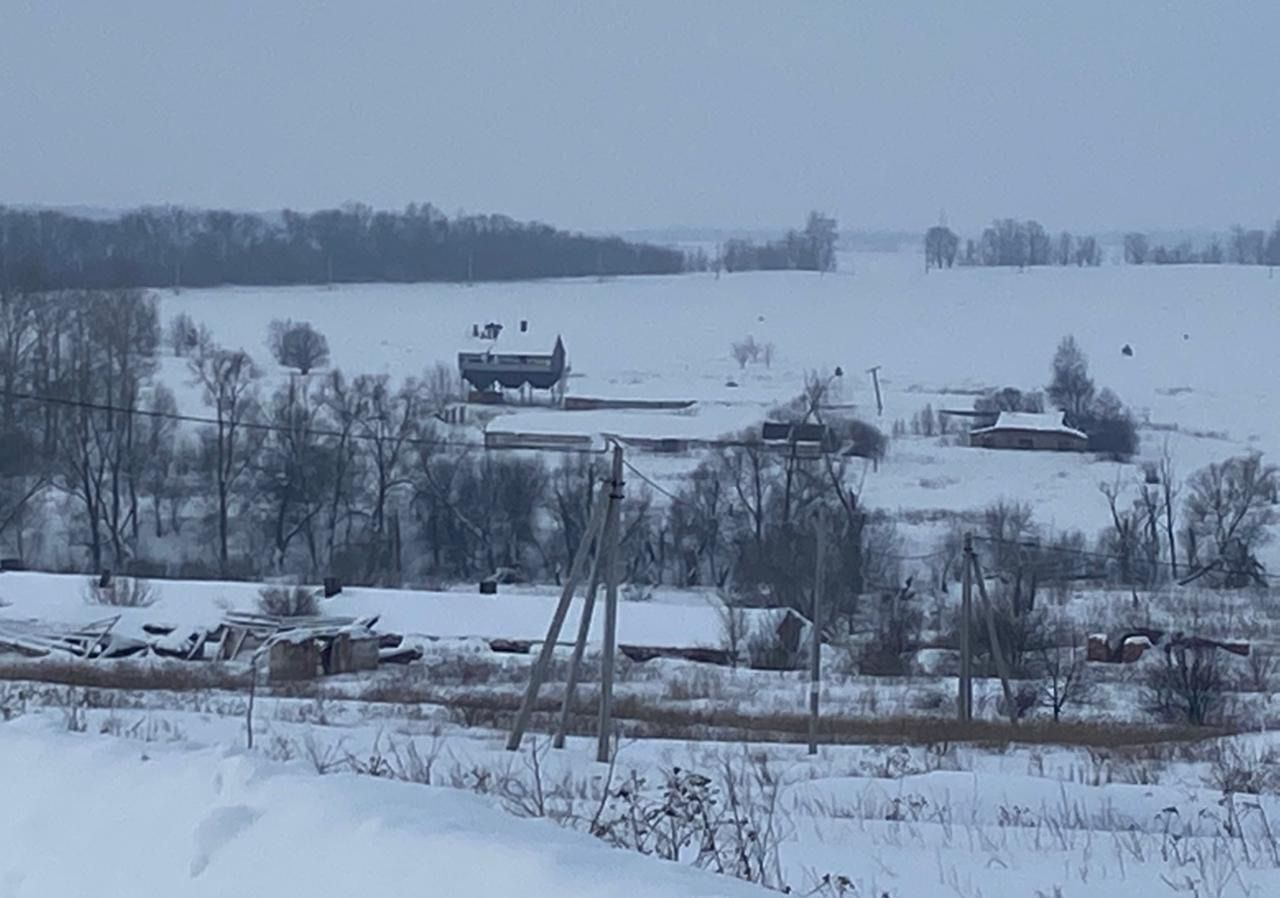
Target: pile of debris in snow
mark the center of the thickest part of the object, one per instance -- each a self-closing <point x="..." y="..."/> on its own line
<point x="293" y="648"/>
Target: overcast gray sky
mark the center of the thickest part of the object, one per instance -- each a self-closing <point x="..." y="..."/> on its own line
<point x="1083" y="114"/>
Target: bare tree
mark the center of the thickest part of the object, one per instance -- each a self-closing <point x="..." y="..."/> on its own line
<point x="294" y="465"/>
<point x="1066" y="249"/>
<point x="1169" y="496"/>
<point x="735" y="626"/>
<point x="940" y="247"/>
<point x="296" y="344"/>
<point x="182" y="335"/>
<point x="1229" y="511"/>
<point x="1189" y="687"/>
<point x="1121" y="540"/>
<point x="229" y="381"/>
<point x="1065" y="680"/>
<point x="1136" y="248"/>
<point x="110" y="342"/>
<point x="158" y="440"/>
<point x="744" y="351"/>
<point x="344" y="408"/>
<point x="701" y="523"/>
<point x="1071" y="388"/>
<point x="389" y="423"/>
<point x="440" y="388"/>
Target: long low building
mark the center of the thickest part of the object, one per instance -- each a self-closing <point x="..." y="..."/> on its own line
<point x="1025" y="430"/>
<point x="653" y="431"/>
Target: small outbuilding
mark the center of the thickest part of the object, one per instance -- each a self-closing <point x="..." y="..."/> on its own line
<point x="1026" y="430"/>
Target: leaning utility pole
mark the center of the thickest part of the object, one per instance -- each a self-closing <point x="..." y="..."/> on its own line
<point x="541" y="665"/>
<point x="579" y="646"/>
<point x="993" y="636"/>
<point x="875" y="381"/>
<point x="964" y="703"/>
<point x="610" y="542"/>
<point x="815" y="626"/>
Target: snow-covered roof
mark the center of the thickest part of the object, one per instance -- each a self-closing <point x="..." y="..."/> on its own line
<point x="514" y="342"/>
<point x="1043" y="422"/>
<point x="703" y="422"/>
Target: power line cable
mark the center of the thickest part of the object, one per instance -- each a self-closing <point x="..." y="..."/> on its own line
<point x="260" y="426"/>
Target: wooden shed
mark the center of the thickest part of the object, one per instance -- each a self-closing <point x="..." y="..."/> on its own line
<point x="1025" y="430"/>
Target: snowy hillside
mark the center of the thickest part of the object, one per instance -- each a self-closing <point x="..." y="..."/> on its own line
<point x="208" y="822"/>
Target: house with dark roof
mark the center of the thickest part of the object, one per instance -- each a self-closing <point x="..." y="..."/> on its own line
<point x="1027" y="430"/>
<point x="511" y="362"/>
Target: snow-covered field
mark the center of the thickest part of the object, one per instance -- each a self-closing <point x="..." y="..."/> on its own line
<point x="1200" y="377"/>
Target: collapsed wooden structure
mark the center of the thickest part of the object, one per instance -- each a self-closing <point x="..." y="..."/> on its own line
<point x="290" y="648"/>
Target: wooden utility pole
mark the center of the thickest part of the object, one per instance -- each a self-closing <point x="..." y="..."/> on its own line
<point x="580" y="645"/>
<point x="612" y="537"/>
<point x="815" y="626"/>
<point x="993" y="636"/>
<point x="875" y="381"/>
<point x="540" y="666"/>
<point x="964" y="703"/>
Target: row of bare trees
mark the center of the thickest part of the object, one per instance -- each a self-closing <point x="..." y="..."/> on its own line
<point x="1252" y="246"/>
<point x="1208" y="529"/>
<point x="1009" y="242"/>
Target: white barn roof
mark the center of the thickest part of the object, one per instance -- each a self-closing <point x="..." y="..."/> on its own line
<point x="1046" y="422"/>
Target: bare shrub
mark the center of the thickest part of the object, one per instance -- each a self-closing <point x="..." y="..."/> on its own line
<point x="734" y="626"/>
<point x="288" y="601"/>
<point x="1189" y="687"/>
<point x="1233" y="771"/>
<point x="1261" y="668"/>
<point x="1064" y="675"/>
<point x="182" y="334"/>
<point x="899" y="621"/>
<point x="637" y="592"/>
<point x="729" y="823"/>
<point x="121" y="592"/>
<point x="13" y="701"/>
<point x="767" y="649"/>
<point x="745" y="351"/>
<point x="862" y="438"/>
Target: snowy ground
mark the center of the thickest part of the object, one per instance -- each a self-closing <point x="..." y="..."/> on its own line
<point x="89" y="816"/>
<point x="107" y="801"/>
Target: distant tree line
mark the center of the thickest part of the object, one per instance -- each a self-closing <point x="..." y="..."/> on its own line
<point x="1243" y="247"/>
<point x="176" y="247"/>
<point x="1010" y="243"/>
<point x="813" y="249"/>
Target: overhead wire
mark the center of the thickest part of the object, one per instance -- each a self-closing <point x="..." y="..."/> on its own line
<point x="260" y="426"/>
